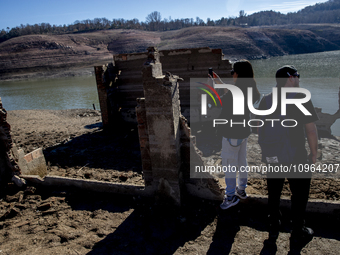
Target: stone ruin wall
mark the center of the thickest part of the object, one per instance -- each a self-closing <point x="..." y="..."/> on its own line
<point x="13" y="161"/>
<point x="166" y="143"/>
<point x="122" y="82"/>
<point x="134" y="89"/>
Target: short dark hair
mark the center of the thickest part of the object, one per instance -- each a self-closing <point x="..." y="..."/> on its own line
<point x="283" y="73"/>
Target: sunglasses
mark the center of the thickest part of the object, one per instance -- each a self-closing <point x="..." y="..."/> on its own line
<point x="295" y="75"/>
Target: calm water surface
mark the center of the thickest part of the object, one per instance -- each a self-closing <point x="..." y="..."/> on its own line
<point x="319" y="74"/>
<point x="54" y="94"/>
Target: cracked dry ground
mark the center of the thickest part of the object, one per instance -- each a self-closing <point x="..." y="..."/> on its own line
<point x="65" y="221"/>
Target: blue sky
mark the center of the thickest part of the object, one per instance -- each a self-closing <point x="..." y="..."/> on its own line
<point x="60" y="12"/>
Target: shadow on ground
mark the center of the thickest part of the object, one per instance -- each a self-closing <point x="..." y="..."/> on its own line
<point x="99" y="149"/>
<point x="152" y="227"/>
<point x="159" y="229"/>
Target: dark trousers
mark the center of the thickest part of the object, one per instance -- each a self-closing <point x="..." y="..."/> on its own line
<point x="300" y="191"/>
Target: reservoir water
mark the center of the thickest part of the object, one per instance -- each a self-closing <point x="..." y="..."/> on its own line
<point x="319" y="74"/>
<point x="52" y="94"/>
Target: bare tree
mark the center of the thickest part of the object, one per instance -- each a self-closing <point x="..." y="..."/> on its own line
<point x="242" y="17"/>
<point x="154" y="20"/>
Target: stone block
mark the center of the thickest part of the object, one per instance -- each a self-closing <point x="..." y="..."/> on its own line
<point x="32" y="163"/>
<point x="28" y="157"/>
<point x="37" y="153"/>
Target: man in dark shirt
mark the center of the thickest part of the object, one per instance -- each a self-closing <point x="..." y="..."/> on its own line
<point x="287" y="76"/>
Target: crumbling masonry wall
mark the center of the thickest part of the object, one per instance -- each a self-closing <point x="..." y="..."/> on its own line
<point x="120" y="82"/>
<point x="165" y="138"/>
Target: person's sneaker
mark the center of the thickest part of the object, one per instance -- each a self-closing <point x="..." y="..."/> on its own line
<point x="300" y="238"/>
<point x="303" y="235"/>
<point x="241" y="193"/>
<point x="229" y="202"/>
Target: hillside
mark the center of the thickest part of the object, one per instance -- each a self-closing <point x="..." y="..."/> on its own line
<point x="37" y="56"/>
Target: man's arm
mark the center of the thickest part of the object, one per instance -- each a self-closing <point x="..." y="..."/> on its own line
<point x="312" y="138"/>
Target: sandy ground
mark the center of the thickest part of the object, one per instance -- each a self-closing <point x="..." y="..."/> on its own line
<point x="65" y="221"/>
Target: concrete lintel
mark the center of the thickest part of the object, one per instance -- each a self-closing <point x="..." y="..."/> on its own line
<point x="91" y="185"/>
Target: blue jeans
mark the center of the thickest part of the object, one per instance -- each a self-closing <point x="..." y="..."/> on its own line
<point x="233" y="158"/>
